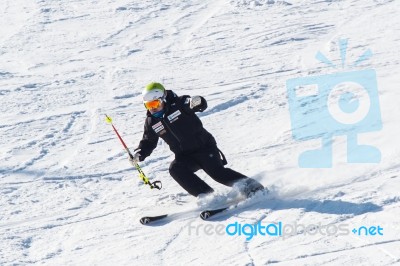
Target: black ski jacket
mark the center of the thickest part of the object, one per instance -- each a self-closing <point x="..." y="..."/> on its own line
<point x="179" y="127"/>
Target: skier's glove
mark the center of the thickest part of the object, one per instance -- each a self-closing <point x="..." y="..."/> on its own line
<point x="195" y="101"/>
<point x="136" y="158"/>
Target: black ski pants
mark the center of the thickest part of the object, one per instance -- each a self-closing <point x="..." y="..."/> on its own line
<point x="183" y="169"/>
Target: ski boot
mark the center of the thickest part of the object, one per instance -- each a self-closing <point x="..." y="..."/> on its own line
<point x="251" y="186"/>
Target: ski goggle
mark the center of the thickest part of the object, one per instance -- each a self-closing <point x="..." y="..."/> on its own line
<point x="153" y="104"/>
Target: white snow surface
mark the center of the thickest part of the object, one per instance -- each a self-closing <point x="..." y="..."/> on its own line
<point x="68" y="195"/>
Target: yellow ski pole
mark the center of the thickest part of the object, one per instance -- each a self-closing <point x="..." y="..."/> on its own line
<point x="155" y="184"/>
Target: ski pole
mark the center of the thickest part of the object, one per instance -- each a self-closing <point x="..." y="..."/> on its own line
<point x="155" y="184"/>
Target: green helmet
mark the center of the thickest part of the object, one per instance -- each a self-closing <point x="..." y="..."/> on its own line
<point x="154" y="91"/>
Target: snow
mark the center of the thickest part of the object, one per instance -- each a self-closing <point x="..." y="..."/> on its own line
<point x="69" y="195"/>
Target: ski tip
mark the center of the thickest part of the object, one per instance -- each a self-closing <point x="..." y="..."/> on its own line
<point x="205" y="215"/>
<point x="145" y="220"/>
<point x="150" y="219"/>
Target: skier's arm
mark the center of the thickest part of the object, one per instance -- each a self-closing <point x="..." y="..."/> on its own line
<point x="148" y="142"/>
<point x="194" y="104"/>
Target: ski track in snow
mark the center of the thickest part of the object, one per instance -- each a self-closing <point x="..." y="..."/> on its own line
<point x="68" y="196"/>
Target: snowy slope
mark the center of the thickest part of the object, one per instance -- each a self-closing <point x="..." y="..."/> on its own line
<point x="68" y="193"/>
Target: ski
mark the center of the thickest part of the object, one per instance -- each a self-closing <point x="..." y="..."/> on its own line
<point x="150" y="219"/>
<point x="209" y="213"/>
<point x="205" y="214"/>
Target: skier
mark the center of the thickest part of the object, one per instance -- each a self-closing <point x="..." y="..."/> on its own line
<point x="173" y="119"/>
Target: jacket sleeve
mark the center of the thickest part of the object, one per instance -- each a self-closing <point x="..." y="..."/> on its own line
<point x="186" y="105"/>
<point x="148" y="142"/>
